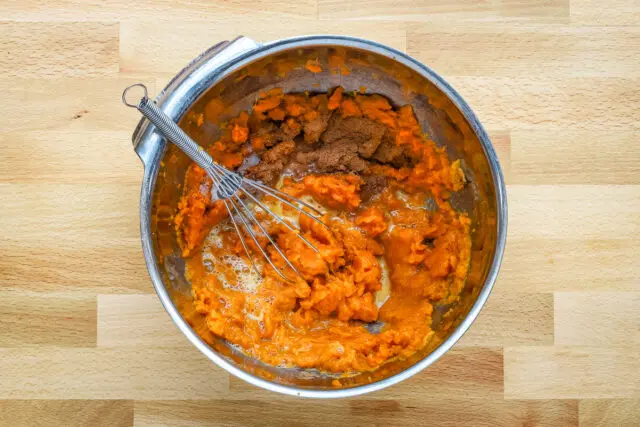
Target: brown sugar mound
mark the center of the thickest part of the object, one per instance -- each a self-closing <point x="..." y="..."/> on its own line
<point x="272" y="163"/>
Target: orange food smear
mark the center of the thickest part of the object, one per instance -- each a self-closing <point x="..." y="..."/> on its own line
<point x="214" y="109"/>
<point x="240" y="128"/>
<point x="313" y="65"/>
<point x="335" y="98"/>
<point x="270" y="101"/>
<point x="337" y="63"/>
<point x="319" y="320"/>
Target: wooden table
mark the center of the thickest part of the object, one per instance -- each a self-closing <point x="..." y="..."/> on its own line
<point x="83" y="338"/>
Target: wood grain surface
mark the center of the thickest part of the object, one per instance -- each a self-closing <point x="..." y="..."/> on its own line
<point x="83" y="338"/>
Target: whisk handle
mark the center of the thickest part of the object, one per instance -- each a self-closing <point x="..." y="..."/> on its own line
<point x="168" y="128"/>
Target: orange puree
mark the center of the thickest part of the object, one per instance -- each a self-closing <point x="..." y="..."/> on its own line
<point x="334" y="191"/>
<point x="322" y="318"/>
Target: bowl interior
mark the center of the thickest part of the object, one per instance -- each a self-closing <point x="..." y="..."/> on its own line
<point x="354" y="69"/>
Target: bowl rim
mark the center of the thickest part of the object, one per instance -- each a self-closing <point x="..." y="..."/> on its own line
<point x="151" y="160"/>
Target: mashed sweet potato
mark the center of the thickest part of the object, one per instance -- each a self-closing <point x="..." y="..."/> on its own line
<point x="374" y="172"/>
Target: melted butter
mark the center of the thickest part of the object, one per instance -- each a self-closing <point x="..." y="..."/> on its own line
<point x="243" y="277"/>
<point x="247" y="279"/>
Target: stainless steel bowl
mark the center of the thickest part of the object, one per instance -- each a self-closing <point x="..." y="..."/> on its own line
<point x="236" y="72"/>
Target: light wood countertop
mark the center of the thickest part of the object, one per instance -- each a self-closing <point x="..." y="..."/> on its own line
<point x="83" y="338"/>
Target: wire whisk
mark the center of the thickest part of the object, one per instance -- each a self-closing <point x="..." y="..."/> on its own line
<point x="229" y="185"/>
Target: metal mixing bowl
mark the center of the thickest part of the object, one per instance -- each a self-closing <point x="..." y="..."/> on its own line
<point x="236" y="72"/>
